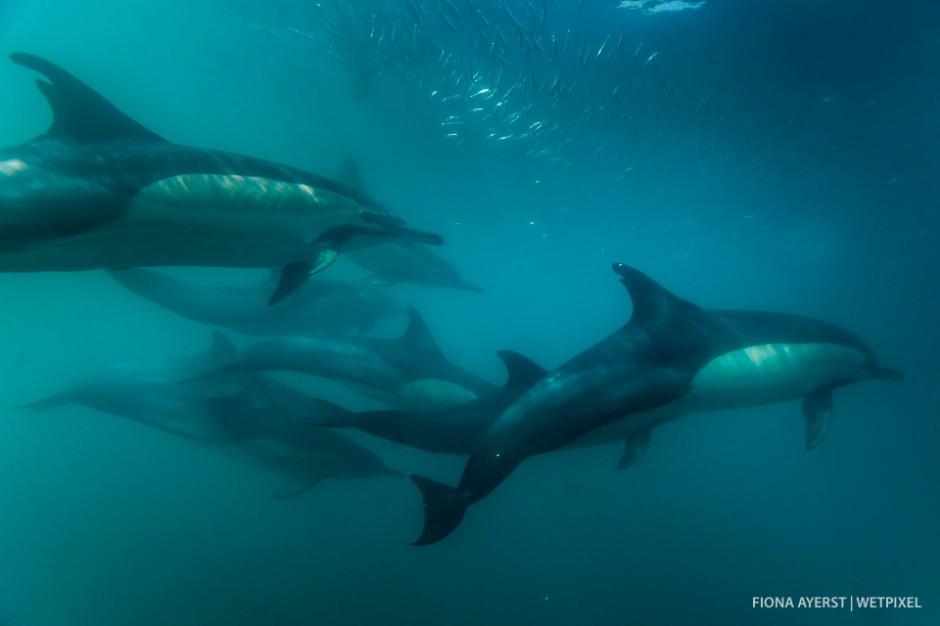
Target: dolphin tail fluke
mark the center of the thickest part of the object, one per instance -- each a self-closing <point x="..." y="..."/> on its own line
<point x="443" y="509"/>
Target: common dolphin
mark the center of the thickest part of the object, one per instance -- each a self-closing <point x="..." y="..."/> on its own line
<point x="257" y="425"/>
<point x="406" y="372"/>
<point x="671" y="358"/>
<point x="261" y="428"/>
<point x="451" y="430"/>
<point x="318" y="306"/>
<point x="404" y="262"/>
<point x="99" y="190"/>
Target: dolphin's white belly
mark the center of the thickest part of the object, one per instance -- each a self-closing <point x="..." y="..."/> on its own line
<point x="198" y="219"/>
<point x="752" y="376"/>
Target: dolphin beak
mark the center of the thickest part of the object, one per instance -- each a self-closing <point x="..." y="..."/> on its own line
<point x="885" y="373"/>
<point x="393" y="226"/>
<point x="414" y="235"/>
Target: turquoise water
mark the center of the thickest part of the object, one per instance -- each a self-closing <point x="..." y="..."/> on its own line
<point x="781" y="158"/>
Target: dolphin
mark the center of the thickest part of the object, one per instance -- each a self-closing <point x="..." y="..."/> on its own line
<point x="405" y="372"/>
<point x="257" y="424"/>
<point x="148" y="392"/>
<point x="450" y="430"/>
<point x="99" y="190"/>
<point x="319" y="306"/>
<point x="404" y="262"/>
<point x="262" y="429"/>
<point x="670" y="359"/>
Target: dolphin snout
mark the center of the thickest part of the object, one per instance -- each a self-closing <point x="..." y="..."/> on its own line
<point x="885" y="373"/>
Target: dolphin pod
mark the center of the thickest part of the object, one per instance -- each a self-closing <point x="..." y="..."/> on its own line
<point x="100" y="191"/>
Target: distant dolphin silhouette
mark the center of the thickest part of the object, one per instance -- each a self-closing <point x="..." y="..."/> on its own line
<point x="319" y="306"/>
<point x="407" y="372"/>
<point x="258" y="425"/>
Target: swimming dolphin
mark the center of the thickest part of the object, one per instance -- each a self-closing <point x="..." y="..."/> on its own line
<point x="148" y="392"/>
<point x="451" y="430"/>
<point x="671" y="358"/>
<point x="319" y="306"/>
<point x="260" y="427"/>
<point x="405" y="372"/>
<point x="98" y="190"/>
<point x="251" y="425"/>
<point x="403" y="262"/>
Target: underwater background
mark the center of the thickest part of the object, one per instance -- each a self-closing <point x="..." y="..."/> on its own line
<point x="772" y="155"/>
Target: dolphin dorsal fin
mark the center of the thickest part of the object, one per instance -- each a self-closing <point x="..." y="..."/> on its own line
<point x="78" y="111"/>
<point x="257" y="397"/>
<point x="651" y="301"/>
<point x="417" y="334"/>
<point x="253" y="398"/>
<point x="222" y="347"/>
<point x="349" y="174"/>
<point x="521" y="371"/>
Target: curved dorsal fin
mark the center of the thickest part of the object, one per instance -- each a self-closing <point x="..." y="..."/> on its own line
<point x="417" y="334"/>
<point x="349" y="174"/>
<point x="256" y="396"/>
<point x="78" y="111"/>
<point x="651" y="301"/>
<point x="222" y="347"/>
<point x="521" y="371"/>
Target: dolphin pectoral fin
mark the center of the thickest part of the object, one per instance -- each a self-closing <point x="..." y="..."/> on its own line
<point x="443" y="510"/>
<point x="296" y="486"/>
<point x="322" y="253"/>
<point x="817" y="408"/>
<point x="293" y="275"/>
<point x="635" y="446"/>
<point x="324" y="256"/>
